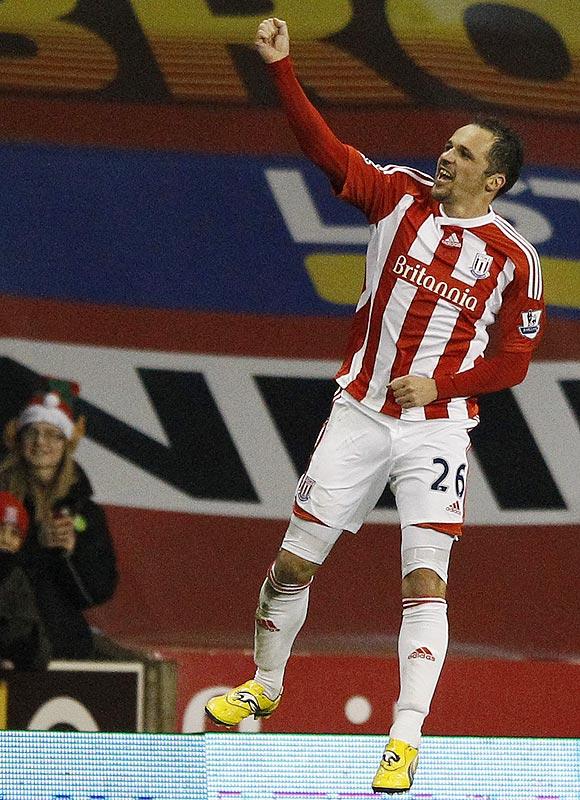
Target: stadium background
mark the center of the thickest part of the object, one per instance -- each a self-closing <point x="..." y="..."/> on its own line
<point x="165" y="244"/>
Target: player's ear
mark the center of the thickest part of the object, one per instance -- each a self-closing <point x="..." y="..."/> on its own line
<point x="495" y="182"/>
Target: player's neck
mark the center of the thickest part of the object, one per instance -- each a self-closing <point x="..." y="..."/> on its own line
<point x="466" y="209"/>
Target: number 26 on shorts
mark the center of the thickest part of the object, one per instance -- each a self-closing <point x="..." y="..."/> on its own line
<point x="439" y="486"/>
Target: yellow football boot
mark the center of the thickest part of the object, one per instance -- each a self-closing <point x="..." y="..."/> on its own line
<point x="243" y="701"/>
<point x="397" y="769"/>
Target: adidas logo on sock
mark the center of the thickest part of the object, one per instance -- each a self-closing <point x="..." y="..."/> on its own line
<point x="452" y="240"/>
<point x="422" y="652"/>
<point x="455" y="508"/>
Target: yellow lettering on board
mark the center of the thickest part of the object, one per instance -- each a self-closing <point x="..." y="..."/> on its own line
<point x="336" y="277"/>
<point x="190" y="42"/>
<point x="436" y="37"/>
<point x="561" y="281"/>
<point x="67" y="57"/>
<point x="195" y="20"/>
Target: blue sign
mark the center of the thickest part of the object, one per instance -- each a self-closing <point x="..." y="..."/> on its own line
<point x="207" y="232"/>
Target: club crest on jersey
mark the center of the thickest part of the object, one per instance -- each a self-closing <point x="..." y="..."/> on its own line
<point x="481" y="265"/>
<point x="530" y="324"/>
<point x="305" y="485"/>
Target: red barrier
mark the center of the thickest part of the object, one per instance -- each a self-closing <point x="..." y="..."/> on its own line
<point x="195" y="580"/>
<point x="414" y="132"/>
<point x="354" y="694"/>
<point x="181" y="331"/>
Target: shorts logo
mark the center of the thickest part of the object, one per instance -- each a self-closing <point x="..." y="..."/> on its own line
<point x="530" y="324"/>
<point x="421" y="652"/>
<point x="305" y="485"/>
<point x="481" y="265"/>
<point x="455" y="508"/>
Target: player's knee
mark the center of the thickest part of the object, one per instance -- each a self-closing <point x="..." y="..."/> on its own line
<point x="304" y="548"/>
<point x="425" y="555"/>
<point x="290" y="568"/>
<point x="423" y="582"/>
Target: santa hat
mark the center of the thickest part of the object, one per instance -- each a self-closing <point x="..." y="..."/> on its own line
<point x="54" y="406"/>
<point x="12" y="512"/>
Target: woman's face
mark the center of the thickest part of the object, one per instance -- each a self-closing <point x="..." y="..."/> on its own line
<point x="43" y="447"/>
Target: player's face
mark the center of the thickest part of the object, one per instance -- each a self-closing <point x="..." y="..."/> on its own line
<point x="461" y="168"/>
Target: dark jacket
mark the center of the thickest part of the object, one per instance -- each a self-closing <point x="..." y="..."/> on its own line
<point x="23" y="640"/>
<point x="65" y="586"/>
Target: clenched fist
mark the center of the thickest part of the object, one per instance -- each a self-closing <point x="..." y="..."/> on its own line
<point x="272" y="41"/>
<point x="413" y="391"/>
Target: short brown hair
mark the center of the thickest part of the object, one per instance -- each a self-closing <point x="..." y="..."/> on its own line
<point x="506" y="154"/>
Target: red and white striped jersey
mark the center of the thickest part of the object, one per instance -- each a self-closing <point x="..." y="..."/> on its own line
<point x="433" y="286"/>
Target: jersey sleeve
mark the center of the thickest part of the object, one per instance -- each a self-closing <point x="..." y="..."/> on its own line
<point x="501" y="371"/>
<point x="377" y="189"/>
<point x="316" y="140"/>
<point x="522" y="317"/>
<point x="355" y="178"/>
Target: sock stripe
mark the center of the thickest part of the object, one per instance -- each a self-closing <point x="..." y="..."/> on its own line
<point x="286" y="588"/>
<point x="411" y="602"/>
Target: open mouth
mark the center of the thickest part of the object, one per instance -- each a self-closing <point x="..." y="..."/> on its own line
<point x="443" y="175"/>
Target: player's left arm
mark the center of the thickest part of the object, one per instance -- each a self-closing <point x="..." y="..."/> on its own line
<point x="501" y="371"/>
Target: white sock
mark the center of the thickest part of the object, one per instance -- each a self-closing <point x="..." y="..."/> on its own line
<point x="422" y="648"/>
<point x="281" y="613"/>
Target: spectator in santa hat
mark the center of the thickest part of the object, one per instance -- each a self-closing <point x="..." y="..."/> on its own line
<point x="23" y="641"/>
<point x="68" y="554"/>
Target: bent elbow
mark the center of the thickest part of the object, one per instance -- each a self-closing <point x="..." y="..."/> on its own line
<point x="519" y="369"/>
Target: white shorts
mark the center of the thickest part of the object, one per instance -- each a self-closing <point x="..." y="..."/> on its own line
<point x="360" y="451"/>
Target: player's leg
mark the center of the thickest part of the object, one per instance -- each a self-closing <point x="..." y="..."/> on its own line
<point x="284" y="596"/>
<point x="281" y="612"/>
<point x="335" y="493"/>
<point x="429" y="485"/>
<point x="423" y="635"/>
<point x="422" y="647"/>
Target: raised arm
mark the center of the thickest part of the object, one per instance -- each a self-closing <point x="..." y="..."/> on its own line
<point x="315" y="138"/>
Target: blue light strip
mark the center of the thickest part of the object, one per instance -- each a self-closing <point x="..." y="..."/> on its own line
<point x="261" y="766"/>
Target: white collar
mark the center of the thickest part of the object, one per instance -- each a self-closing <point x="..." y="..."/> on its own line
<point x="460" y="222"/>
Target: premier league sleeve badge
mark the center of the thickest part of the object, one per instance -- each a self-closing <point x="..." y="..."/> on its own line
<point x="530" y="324"/>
